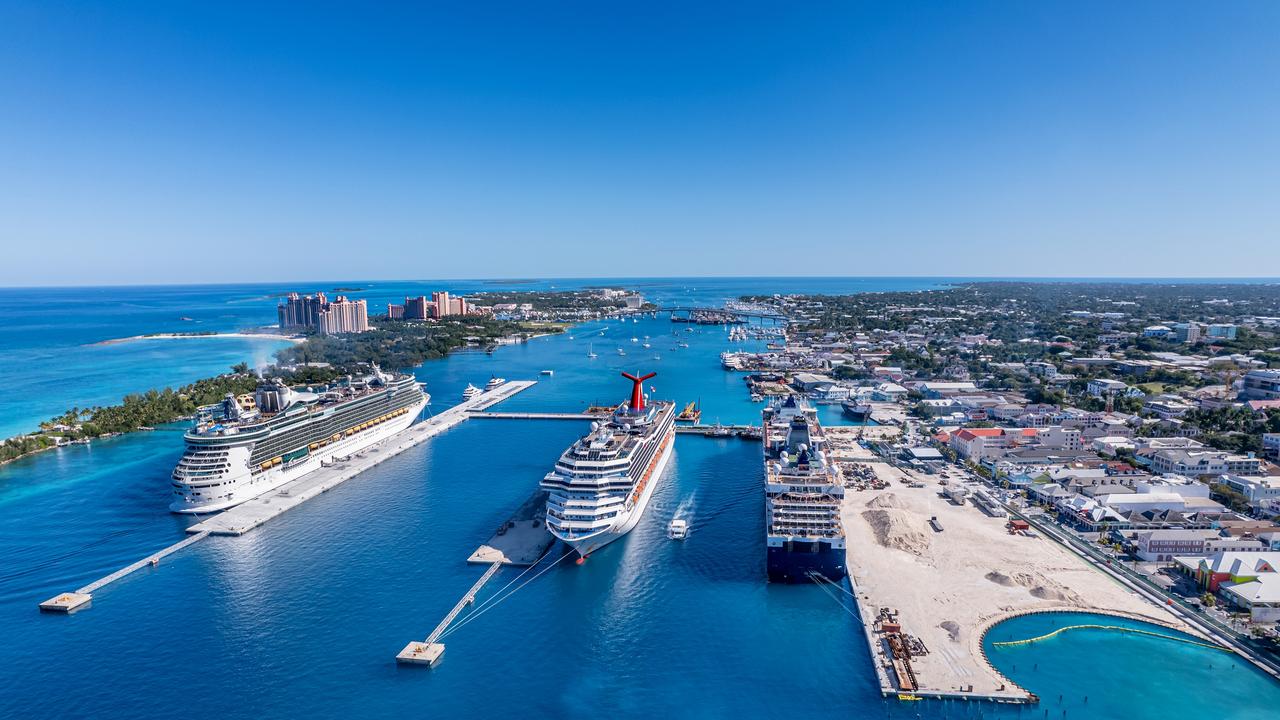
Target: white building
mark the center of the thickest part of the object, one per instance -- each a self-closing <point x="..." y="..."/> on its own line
<point x="1263" y="492"/>
<point x="1100" y="387"/>
<point x="1164" y="545"/>
<point x="1198" y="463"/>
<point x="1261" y="385"/>
<point x="1111" y="444"/>
<point x="1271" y="445"/>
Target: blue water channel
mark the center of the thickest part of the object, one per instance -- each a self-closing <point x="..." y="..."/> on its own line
<point x="303" y="617"/>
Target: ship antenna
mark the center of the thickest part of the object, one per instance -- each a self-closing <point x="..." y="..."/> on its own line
<point x="637" y="389"/>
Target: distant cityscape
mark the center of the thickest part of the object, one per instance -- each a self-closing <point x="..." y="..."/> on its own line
<point x="440" y="305"/>
<point x="342" y="315"/>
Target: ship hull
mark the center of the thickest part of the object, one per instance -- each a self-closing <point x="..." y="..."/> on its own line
<point x="793" y="561"/>
<point x="861" y="414"/>
<point x="270" y="480"/>
<point x="584" y="546"/>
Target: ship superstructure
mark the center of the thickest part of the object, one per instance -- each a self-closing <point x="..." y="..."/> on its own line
<point x="600" y="486"/>
<point x="803" y="493"/>
<point x="249" y="445"/>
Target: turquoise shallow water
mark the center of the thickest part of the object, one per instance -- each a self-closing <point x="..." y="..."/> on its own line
<point x="51" y="338"/>
<point x="1090" y="673"/>
<point x="305" y="615"/>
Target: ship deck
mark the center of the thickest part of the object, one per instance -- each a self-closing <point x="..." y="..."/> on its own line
<point x="253" y="513"/>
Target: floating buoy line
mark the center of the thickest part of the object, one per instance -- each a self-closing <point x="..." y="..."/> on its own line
<point x="1136" y="631"/>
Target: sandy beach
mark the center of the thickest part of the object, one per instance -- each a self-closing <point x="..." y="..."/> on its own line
<point x="187" y="336"/>
<point x="947" y="587"/>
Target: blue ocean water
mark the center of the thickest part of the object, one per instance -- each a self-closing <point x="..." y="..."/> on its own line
<point x="304" y="615"/>
<point x="53" y="338"/>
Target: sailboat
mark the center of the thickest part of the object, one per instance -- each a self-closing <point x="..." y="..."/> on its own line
<point x="590" y="353"/>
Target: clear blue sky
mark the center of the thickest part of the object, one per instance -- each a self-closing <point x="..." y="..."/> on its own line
<point x="175" y="142"/>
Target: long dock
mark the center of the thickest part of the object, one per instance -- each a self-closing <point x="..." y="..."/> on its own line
<point x="72" y="601"/>
<point x="249" y="515"/>
<point x="746" y="432"/>
<point x="534" y="415"/>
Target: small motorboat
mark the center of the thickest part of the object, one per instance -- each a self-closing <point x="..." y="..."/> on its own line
<point x="678" y="529"/>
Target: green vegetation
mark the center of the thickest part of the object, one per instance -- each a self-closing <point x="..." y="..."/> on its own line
<point x="136" y="411"/>
<point x="393" y="344"/>
<point x="1229" y="497"/>
<point x="1047" y="340"/>
<point x="557" y="302"/>
<point x="397" y="344"/>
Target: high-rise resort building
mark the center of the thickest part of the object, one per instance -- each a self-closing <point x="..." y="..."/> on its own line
<point x="439" y="305"/>
<point x="316" y="312"/>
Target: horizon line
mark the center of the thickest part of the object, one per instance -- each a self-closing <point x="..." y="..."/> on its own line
<point x="1118" y="279"/>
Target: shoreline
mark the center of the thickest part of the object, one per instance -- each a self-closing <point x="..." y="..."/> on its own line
<point x="966" y="577"/>
<point x="295" y="339"/>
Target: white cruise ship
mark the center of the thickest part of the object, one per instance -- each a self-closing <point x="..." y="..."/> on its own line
<point x="252" y="444"/>
<point x="601" y="485"/>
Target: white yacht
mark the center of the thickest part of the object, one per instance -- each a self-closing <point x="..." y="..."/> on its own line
<point x="494" y="382"/>
<point x="470" y="392"/>
<point x="600" y="486"/>
<point x="678" y="529"/>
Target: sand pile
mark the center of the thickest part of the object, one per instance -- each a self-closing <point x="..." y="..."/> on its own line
<point x="898" y="529"/>
<point x="1053" y="591"/>
<point x="1038" y="585"/>
<point x="886" y="501"/>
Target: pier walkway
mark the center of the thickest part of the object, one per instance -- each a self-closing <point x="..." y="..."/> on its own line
<point x="72" y="601"/>
<point x="428" y="652"/>
<point x="535" y="415"/>
<point x="746" y="432"/>
<point x="249" y="515"/>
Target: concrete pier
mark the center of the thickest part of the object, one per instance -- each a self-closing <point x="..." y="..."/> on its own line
<point x="249" y="515"/>
<point x="746" y="432"/>
<point x="73" y="601"/>
<point x="536" y="415"/>
<point x="428" y="652"/>
<point x="521" y="540"/>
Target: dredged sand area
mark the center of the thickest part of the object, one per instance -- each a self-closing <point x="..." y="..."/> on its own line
<point x="946" y="588"/>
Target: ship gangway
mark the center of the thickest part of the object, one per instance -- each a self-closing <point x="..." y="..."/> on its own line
<point x="428" y="652"/>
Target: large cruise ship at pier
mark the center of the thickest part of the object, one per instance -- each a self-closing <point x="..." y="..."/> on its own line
<point x="803" y="492"/>
<point x="252" y="444"/>
<point x="601" y="485"/>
